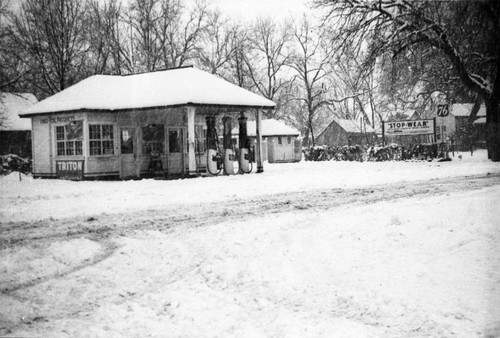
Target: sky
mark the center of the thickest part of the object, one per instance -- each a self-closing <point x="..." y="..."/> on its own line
<point x="246" y="10"/>
<point x="250" y="9"/>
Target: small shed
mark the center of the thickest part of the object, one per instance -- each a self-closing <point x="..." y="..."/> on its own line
<point x="112" y="126"/>
<point x="15" y="133"/>
<point x="341" y="132"/>
<point x="281" y="142"/>
<point x="462" y="112"/>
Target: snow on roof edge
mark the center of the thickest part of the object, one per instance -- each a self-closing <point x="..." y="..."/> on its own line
<point x="174" y="87"/>
<point x="188" y="104"/>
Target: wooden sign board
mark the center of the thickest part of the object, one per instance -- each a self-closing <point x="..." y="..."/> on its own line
<point x="70" y="169"/>
<point x="413" y="127"/>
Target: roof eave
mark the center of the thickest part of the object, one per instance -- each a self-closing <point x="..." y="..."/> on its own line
<point x="189" y="104"/>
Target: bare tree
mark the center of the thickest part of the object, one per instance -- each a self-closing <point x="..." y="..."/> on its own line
<point x="269" y="54"/>
<point x="218" y="44"/>
<point x="238" y="70"/>
<point x="184" y="36"/>
<point x="164" y="33"/>
<point x="107" y="52"/>
<point x="11" y="67"/>
<point x="143" y="16"/>
<point x="52" y="34"/>
<point x="350" y="88"/>
<point x="466" y="33"/>
<point x="311" y="64"/>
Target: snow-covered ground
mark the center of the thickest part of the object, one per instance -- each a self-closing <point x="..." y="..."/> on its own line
<point x="422" y="266"/>
<point x="39" y="199"/>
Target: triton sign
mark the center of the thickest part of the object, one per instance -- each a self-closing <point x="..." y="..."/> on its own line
<point x="414" y="127"/>
<point x="70" y="170"/>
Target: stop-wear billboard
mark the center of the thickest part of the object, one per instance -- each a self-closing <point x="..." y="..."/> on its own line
<point x="413" y="127"/>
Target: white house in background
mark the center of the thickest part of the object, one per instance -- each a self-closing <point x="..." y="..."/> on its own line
<point x="281" y="142"/>
<point x="15" y="133"/>
<point x="112" y="126"/>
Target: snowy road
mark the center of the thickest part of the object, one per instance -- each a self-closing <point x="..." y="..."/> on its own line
<point x="177" y="216"/>
<point x="414" y="258"/>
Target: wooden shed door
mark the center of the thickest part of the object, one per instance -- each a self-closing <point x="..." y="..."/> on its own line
<point x="128" y="155"/>
<point x="175" y="149"/>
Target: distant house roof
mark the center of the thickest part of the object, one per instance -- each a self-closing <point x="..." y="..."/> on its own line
<point x="270" y="127"/>
<point x="352" y="126"/>
<point x="464" y="109"/>
<point x="173" y="87"/>
<point x="481" y="120"/>
<point x="11" y="105"/>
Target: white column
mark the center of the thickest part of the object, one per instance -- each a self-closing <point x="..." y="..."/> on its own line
<point x="258" y="148"/>
<point x="191" y="140"/>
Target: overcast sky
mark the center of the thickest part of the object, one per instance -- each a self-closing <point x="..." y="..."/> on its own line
<point x="247" y="10"/>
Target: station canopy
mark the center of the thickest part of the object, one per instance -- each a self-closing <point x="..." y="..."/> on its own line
<point x="177" y="87"/>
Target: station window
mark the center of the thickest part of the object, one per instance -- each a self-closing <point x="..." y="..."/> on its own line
<point x="280" y="141"/>
<point x="101" y="139"/>
<point x="69" y="139"/>
<point x="153" y="138"/>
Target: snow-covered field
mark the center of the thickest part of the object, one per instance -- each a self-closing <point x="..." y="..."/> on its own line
<point x="39" y="199"/>
<point x="420" y="266"/>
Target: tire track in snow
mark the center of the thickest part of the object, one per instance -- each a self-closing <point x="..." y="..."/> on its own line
<point x="103" y="226"/>
<point x="108" y="249"/>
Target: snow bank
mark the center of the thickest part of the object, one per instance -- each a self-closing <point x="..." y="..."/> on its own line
<point x="11" y="180"/>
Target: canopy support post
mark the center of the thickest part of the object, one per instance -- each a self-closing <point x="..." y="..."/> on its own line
<point x="191" y="140"/>
<point x="258" y="150"/>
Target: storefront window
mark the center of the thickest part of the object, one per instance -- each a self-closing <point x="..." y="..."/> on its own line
<point x="153" y="138"/>
<point x="127" y="141"/>
<point x="101" y="139"/>
<point x="69" y="139"/>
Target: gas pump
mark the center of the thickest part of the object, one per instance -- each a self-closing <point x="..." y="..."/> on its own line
<point x="214" y="158"/>
<point x="228" y="146"/>
<point x="245" y="166"/>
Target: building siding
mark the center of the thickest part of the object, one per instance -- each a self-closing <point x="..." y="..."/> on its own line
<point x="335" y="135"/>
<point x="45" y="149"/>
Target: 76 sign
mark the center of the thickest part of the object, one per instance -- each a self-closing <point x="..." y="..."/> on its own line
<point x="443" y="110"/>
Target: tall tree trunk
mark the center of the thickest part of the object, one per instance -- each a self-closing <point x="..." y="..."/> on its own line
<point x="311" y="133"/>
<point x="493" y="128"/>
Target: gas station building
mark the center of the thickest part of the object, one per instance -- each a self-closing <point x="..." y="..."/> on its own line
<point x="111" y="126"/>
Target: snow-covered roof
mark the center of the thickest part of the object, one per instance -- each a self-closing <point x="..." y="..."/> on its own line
<point x="464" y="109"/>
<point x="173" y="87"/>
<point x="270" y="127"/>
<point x="352" y="126"/>
<point x="481" y="120"/>
<point x="11" y="105"/>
